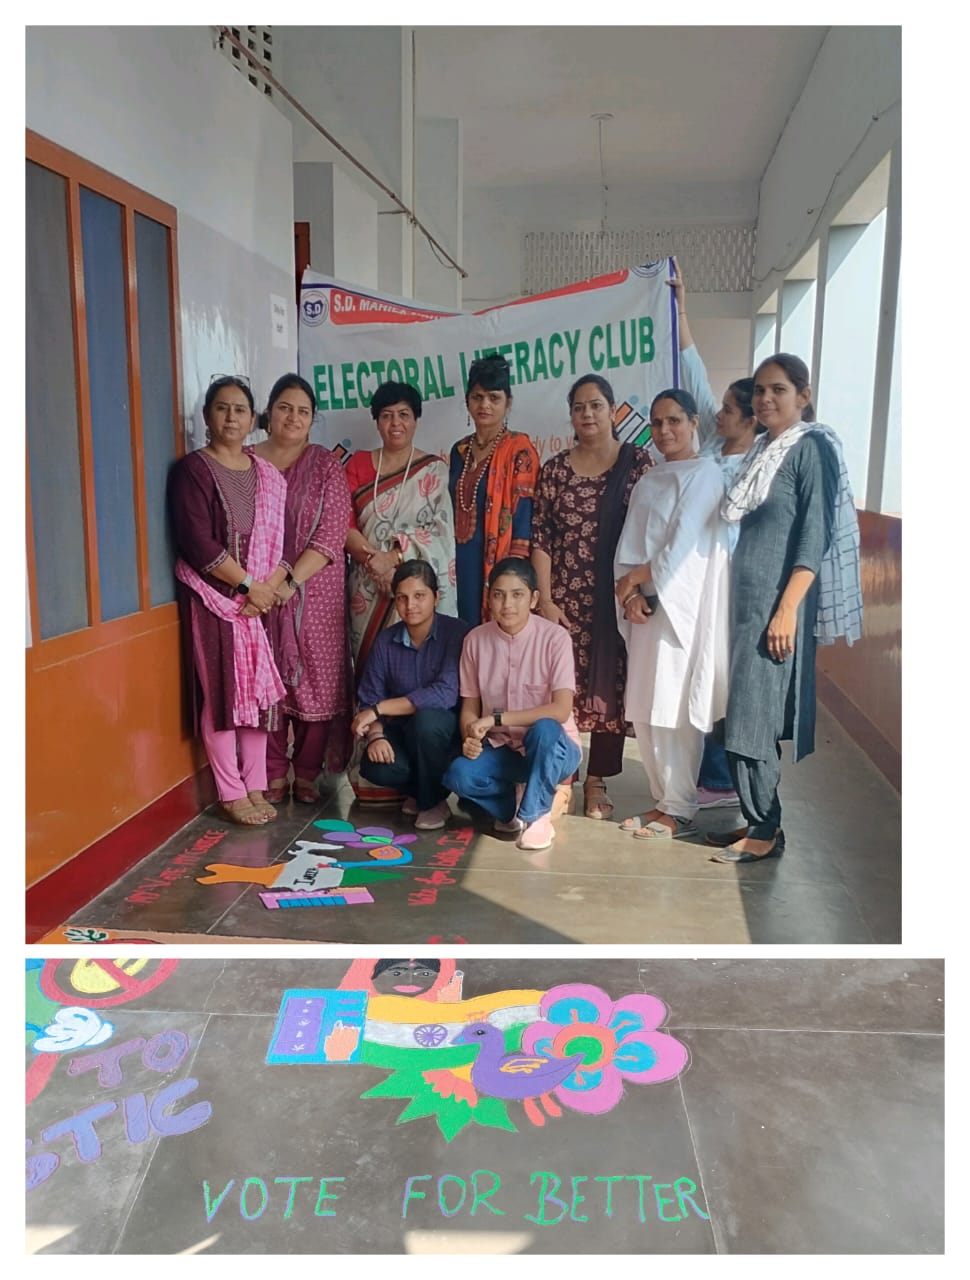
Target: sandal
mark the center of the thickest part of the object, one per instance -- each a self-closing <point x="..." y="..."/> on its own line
<point x="596" y="803"/>
<point x="657" y="830"/>
<point x="262" y="805"/>
<point x="243" y="812"/>
<point x="278" y="791"/>
<point x="305" y="792"/>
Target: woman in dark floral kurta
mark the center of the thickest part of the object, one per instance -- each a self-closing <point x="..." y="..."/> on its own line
<point x="580" y="505"/>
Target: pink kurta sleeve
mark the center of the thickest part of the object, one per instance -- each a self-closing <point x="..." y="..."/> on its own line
<point x="468" y="669"/>
<point x="562" y="670"/>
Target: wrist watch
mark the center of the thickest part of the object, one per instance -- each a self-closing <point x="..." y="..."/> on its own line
<point x="497" y="716"/>
<point x="242" y="588"/>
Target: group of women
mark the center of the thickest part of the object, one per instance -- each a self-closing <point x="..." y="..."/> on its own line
<point x="493" y="609"/>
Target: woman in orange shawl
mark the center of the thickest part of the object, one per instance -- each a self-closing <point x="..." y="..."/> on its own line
<point x="493" y="474"/>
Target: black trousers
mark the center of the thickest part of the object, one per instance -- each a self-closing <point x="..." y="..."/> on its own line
<point x="424" y="745"/>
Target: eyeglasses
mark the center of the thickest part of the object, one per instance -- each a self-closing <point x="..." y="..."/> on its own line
<point x="236" y="377"/>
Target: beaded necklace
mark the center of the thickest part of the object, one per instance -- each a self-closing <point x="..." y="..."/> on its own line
<point x="469" y="506"/>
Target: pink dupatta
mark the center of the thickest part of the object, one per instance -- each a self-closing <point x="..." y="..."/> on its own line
<point x="258" y="683"/>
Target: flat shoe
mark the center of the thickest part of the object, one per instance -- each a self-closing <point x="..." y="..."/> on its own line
<point x="279" y="793"/>
<point x="660" y="831"/>
<point x="721" y="839"/>
<point x="776" y="850"/>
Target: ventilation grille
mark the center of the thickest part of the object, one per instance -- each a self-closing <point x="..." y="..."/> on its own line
<point x="259" y="41"/>
<point x="713" y="259"/>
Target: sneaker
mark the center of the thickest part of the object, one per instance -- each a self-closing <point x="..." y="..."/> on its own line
<point x="410" y="807"/>
<point x="707" y="799"/>
<point x="432" y="819"/>
<point x="510" y="828"/>
<point x="538" y="835"/>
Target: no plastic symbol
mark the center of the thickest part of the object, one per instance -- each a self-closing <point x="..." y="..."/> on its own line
<point x="112" y="974"/>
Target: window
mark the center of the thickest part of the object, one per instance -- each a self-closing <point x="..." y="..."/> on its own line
<point x="102" y="420"/>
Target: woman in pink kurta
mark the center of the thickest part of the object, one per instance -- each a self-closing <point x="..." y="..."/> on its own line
<point x="308" y="632"/>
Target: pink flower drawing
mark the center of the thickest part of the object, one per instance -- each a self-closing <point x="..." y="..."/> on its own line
<point x="619" y="1041"/>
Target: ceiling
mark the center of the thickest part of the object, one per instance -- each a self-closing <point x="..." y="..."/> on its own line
<point x="690" y="104"/>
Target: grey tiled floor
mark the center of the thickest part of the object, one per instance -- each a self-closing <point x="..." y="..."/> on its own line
<point x="839" y="881"/>
<point x="810" y="1119"/>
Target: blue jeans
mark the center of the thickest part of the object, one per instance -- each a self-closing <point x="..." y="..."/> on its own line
<point x="550" y="758"/>
<point x="715" y="773"/>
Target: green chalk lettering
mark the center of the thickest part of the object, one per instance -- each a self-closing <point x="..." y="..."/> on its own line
<point x="442" y="1201"/>
<point x="347" y="382"/>
<point x="410" y="1193"/>
<point x="483" y="1197"/>
<point x="609" y="1179"/>
<point x="662" y="1200"/>
<point x="596" y="359"/>
<point x="647" y="348"/>
<point x="289" y="1201"/>
<point x="686" y="1195"/>
<point x="264" y="1193"/>
<point x="572" y="342"/>
<point x="641" y="1178"/>
<point x="211" y="1209"/>
<point x="577" y="1199"/>
<point x="547" y="1197"/>
<point x="325" y="1195"/>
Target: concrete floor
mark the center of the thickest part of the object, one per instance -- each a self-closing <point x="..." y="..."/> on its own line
<point x="839" y="881"/>
<point x="808" y="1119"/>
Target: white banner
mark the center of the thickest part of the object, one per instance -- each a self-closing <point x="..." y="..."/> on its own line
<point x="621" y="325"/>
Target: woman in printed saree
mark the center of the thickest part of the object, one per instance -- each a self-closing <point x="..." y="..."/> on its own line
<point x="227" y="513"/>
<point x="308" y="631"/>
<point x="581" y="501"/>
<point x="671" y="573"/>
<point x="493" y="474"/>
<point x="400" y="511"/>
<point x="794" y="582"/>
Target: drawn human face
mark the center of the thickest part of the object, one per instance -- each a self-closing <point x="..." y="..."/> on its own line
<point x="415" y="602"/>
<point x="510" y="602"/>
<point x="488" y="409"/>
<point x="732" y="425"/>
<point x="291" y="417"/>
<point x="405" y="978"/>
<point x="591" y="414"/>
<point x="776" y="401"/>
<point x="396" y="425"/>
<point x="672" y="429"/>
<point x="230" y="418"/>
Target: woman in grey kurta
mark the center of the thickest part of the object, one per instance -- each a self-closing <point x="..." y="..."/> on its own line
<point x="796" y="513"/>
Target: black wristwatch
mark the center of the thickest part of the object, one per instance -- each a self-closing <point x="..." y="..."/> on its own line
<point x="242" y="588"/>
<point x="497" y="717"/>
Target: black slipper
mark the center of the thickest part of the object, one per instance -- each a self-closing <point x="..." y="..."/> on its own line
<point x="776" y="850"/>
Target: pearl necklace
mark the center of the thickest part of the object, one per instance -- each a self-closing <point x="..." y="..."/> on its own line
<point x="400" y="488"/>
<point x="468" y="507"/>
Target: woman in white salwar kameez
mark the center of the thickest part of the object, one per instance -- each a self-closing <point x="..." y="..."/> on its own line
<point x="671" y="569"/>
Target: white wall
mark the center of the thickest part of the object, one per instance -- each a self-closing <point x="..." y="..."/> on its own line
<point x="829" y="145"/>
<point x="162" y="109"/>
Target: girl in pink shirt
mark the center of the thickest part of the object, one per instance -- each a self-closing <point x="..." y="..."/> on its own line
<point x="519" y="738"/>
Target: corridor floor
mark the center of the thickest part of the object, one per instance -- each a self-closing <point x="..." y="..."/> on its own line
<point x="838" y="882"/>
<point x="783" y="1107"/>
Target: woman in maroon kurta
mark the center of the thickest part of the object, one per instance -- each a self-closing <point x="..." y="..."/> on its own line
<point x="227" y="514"/>
<point x="580" y="502"/>
<point x="308" y="631"/>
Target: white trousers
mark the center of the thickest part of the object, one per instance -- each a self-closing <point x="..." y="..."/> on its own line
<point x="671" y="761"/>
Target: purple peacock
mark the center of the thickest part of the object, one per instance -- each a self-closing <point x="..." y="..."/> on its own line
<point x="515" y="1076"/>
